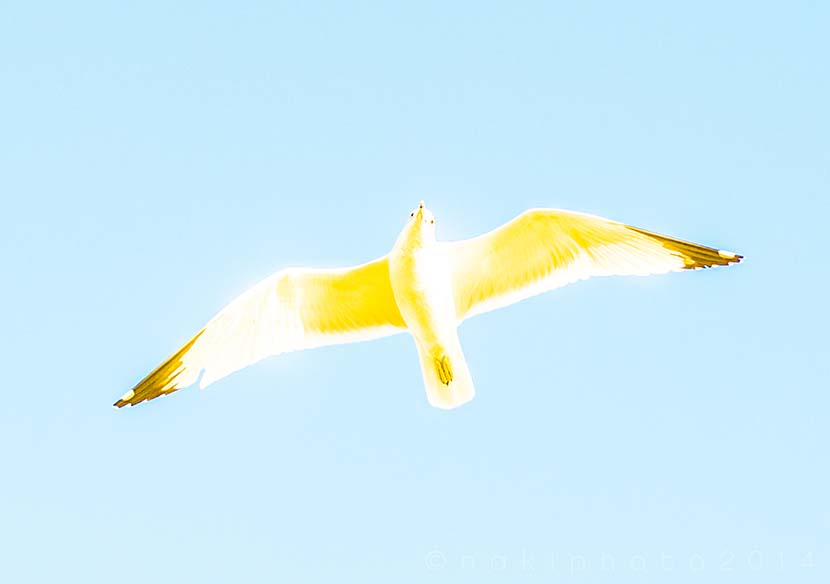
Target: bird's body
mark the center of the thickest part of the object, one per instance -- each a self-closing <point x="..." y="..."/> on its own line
<point x="422" y="286"/>
<point x="421" y="279"/>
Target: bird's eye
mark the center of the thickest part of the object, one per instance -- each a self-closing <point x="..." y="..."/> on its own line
<point x="412" y="214"/>
<point x="432" y="221"/>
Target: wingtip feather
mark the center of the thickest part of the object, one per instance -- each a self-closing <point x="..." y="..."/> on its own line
<point x="161" y="381"/>
<point x="694" y="255"/>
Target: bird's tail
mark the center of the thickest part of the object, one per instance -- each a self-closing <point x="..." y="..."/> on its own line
<point x="446" y="376"/>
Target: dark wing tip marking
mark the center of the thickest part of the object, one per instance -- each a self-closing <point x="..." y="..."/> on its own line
<point x="160" y="381"/>
<point x="694" y="255"/>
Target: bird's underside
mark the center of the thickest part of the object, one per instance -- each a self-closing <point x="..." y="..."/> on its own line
<point x="301" y="308"/>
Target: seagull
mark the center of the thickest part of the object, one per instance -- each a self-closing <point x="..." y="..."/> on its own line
<point x="422" y="286"/>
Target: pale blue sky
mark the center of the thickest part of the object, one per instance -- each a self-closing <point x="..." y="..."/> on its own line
<point x="156" y="159"/>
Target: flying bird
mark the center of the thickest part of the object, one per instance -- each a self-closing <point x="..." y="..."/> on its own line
<point x="422" y="286"/>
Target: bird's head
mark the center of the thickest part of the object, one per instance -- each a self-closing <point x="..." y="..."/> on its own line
<point x="423" y="221"/>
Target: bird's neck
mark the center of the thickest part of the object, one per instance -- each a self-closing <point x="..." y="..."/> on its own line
<point x="413" y="237"/>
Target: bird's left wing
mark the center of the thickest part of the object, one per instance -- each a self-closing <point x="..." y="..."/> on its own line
<point x="296" y="308"/>
<point x="543" y="249"/>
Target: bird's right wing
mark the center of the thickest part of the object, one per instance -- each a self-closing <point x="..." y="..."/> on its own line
<point x="543" y="249"/>
<point x="294" y="309"/>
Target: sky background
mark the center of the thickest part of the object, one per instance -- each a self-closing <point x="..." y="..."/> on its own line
<point x="158" y="158"/>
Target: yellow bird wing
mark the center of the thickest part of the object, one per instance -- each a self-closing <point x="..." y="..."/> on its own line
<point x="543" y="249"/>
<point x="296" y="308"/>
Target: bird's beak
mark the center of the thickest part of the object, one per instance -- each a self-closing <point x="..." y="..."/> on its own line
<point x="420" y="214"/>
